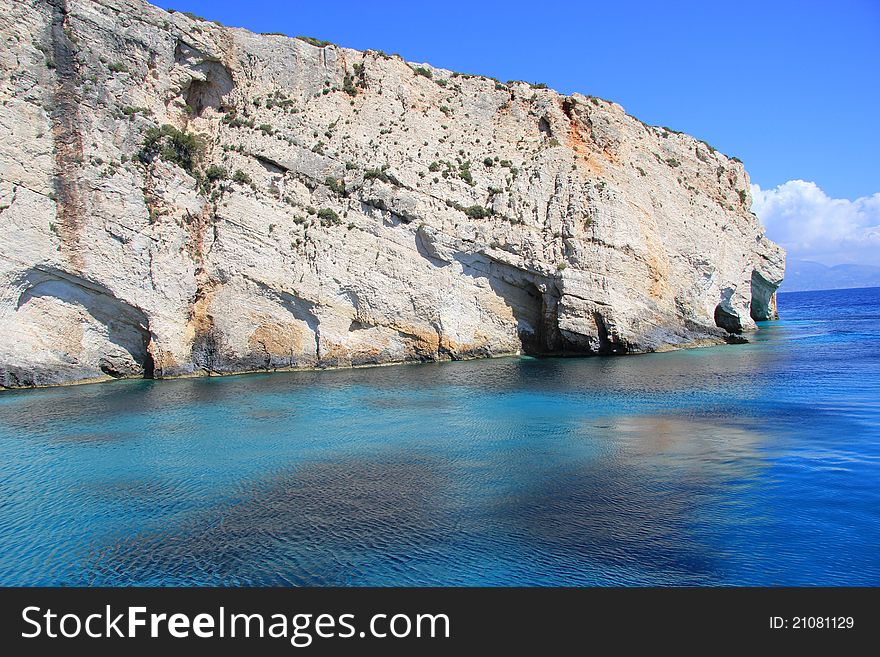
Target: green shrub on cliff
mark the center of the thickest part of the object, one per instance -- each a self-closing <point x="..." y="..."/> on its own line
<point x="216" y="172"/>
<point x="477" y="212"/>
<point x="172" y="145"/>
<point x="464" y="172"/>
<point x="376" y="174"/>
<point x="329" y="217"/>
<point x="336" y="185"/>
<point x="241" y="177"/>
<point x="319" y="43"/>
<point x="130" y="111"/>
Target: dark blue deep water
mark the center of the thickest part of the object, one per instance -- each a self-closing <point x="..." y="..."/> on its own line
<point x="747" y="464"/>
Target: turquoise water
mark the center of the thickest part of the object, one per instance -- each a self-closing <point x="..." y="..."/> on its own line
<point x="744" y="464"/>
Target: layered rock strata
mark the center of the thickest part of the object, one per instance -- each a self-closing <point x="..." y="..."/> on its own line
<point x="178" y="197"/>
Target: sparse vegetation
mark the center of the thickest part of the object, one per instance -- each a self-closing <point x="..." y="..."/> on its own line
<point x="376" y="174"/>
<point x="216" y="172"/>
<point x="348" y="86"/>
<point x="477" y="212"/>
<point x="117" y="67"/>
<point x="319" y="43"/>
<point x="130" y="111"/>
<point x="232" y="119"/>
<point x="336" y="185"/>
<point x="189" y="14"/>
<point x="464" y="172"/>
<point x="673" y="162"/>
<point x="329" y="217"/>
<point x="421" y="70"/>
<point x="172" y="145"/>
<point x="241" y="178"/>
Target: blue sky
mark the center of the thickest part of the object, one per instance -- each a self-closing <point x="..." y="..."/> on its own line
<point x="791" y="88"/>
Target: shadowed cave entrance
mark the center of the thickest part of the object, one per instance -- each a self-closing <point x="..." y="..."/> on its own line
<point x="763" y="306"/>
<point x="213" y="83"/>
<point x="119" y="342"/>
<point x="535" y="313"/>
<point x="534" y="302"/>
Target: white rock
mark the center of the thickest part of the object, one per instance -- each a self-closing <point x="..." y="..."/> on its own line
<point x="379" y="215"/>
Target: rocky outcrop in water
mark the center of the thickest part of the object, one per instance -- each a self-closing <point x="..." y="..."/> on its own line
<point x="178" y="197"/>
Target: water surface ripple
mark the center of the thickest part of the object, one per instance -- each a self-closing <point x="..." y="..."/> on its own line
<point x="751" y="464"/>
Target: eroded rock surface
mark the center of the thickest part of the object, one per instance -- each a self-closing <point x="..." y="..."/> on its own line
<point x="311" y="205"/>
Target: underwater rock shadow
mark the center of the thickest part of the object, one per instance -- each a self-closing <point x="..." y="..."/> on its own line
<point x="587" y="516"/>
<point x="636" y="506"/>
<point x="318" y="524"/>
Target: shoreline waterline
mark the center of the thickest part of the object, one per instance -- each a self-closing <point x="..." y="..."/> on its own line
<point x="699" y="343"/>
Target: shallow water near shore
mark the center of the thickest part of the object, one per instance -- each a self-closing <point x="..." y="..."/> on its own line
<point x="755" y="464"/>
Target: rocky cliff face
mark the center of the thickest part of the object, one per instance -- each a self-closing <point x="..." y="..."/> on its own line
<point x="179" y="197"/>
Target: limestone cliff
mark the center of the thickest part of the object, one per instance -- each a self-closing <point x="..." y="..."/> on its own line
<point x="178" y="197"/>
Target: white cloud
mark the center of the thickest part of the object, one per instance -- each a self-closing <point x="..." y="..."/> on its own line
<point x="813" y="226"/>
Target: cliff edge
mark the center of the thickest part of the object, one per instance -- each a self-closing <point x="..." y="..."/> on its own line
<point x="179" y="197"/>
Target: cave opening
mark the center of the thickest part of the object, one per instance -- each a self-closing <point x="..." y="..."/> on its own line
<point x="202" y="94"/>
<point x="538" y="330"/>
<point x="149" y="366"/>
<point x="727" y="319"/>
<point x="211" y="81"/>
<point x="529" y="318"/>
<point x="763" y="299"/>
<point x="544" y="127"/>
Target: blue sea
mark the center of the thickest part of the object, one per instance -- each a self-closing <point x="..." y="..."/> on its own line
<point x="754" y="464"/>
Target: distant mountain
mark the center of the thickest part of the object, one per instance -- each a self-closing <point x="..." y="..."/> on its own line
<point x="806" y="275"/>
